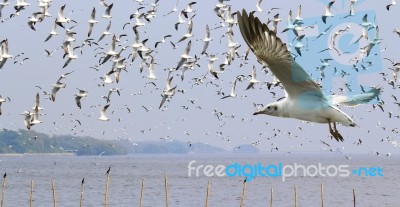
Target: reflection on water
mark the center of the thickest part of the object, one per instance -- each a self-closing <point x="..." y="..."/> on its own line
<point x="128" y="171"/>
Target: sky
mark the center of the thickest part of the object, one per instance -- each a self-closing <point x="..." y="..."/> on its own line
<point x="196" y="123"/>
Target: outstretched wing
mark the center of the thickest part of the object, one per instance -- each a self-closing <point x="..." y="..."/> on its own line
<point x="272" y="52"/>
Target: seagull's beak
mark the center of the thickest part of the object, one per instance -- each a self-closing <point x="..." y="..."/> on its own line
<point x="257" y="112"/>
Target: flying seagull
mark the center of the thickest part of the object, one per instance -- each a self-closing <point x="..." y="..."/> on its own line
<point x="233" y="90"/>
<point x="79" y="96"/>
<point x="56" y="87"/>
<point x="185" y="55"/>
<point x="103" y="115"/>
<point x="304" y="98"/>
<point x="328" y="12"/>
<point x="1" y="101"/>
<point x="53" y="31"/>
<point x="92" y="21"/>
<point x="168" y="92"/>
<point x="393" y="3"/>
<point x="253" y="79"/>
<point x="107" y="14"/>
<point x="4" y="55"/>
<point x="206" y="40"/>
<point x="3" y="4"/>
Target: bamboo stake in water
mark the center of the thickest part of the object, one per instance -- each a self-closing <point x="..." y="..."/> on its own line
<point x="243" y="192"/>
<point x="354" y="197"/>
<point x="83" y="188"/>
<point x="54" y="192"/>
<point x="322" y="194"/>
<point x="4" y="188"/>
<point x="295" y="195"/>
<point x="208" y="192"/>
<point x="141" y="193"/>
<point x="106" y="196"/>
<point x="166" y="190"/>
<point x="31" y="194"/>
<point x="270" y="201"/>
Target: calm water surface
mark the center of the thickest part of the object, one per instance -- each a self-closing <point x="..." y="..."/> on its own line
<point x="128" y="171"/>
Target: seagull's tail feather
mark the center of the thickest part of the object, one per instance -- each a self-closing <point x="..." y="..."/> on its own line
<point x="358" y="99"/>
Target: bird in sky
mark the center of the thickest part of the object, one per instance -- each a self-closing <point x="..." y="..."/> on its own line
<point x="304" y="98"/>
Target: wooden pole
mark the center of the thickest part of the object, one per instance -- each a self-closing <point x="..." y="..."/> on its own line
<point x="208" y="192"/>
<point x="322" y="194"/>
<point x="295" y="195"/>
<point x="243" y="192"/>
<point x="82" y="189"/>
<point x="141" y="193"/>
<point x="54" y="193"/>
<point x="354" y="197"/>
<point x="106" y="195"/>
<point x="166" y="190"/>
<point x="4" y="189"/>
<point x="31" y="194"/>
<point x="270" y="201"/>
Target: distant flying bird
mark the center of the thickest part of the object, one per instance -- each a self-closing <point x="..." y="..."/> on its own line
<point x="112" y="51"/>
<point x="189" y="7"/>
<point x="152" y="75"/>
<point x="233" y="90"/>
<point x="53" y="31"/>
<point x="106" y="32"/>
<point x="56" y="87"/>
<point x="168" y="92"/>
<point x="79" y="96"/>
<point x="162" y="41"/>
<point x="188" y="34"/>
<point x="107" y="14"/>
<point x="92" y="21"/>
<point x="173" y="10"/>
<point x="103" y="3"/>
<point x="253" y="79"/>
<point x="34" y="19"/>
<point x="27" y="119"/>
<point x="185" y="55"/>
<point x="61" y="19"/>
<point x="206" y="40"/>
<point x="2" y="100"/>
<point x="70" y="55"/>
<point x="393" y="3"/>
<point x="323" y="33"/>
<point x="3" y="4"/>
<point x="373" y="42"/>
<point x="328" y="12"/>
<point x="4" y="55"/>
<point x="258" y="6"/>
<point x="103" y="115"/>
<point x="181" y="20"/>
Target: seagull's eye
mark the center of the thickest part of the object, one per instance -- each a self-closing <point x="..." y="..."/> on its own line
<point x="275" y="108"/>
<point x="269" y="107"/>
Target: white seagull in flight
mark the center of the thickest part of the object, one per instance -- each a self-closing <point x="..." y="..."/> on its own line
<point x="103" y="115"/>
<point x="304" y="98"/>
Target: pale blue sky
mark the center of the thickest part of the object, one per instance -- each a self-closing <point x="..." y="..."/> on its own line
<point x="18" y="81"/>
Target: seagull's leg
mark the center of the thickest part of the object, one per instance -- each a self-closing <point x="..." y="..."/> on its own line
<point x="334" y="132"/>
<point x="330" y="129"/>
<point x="338" y="137"/>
